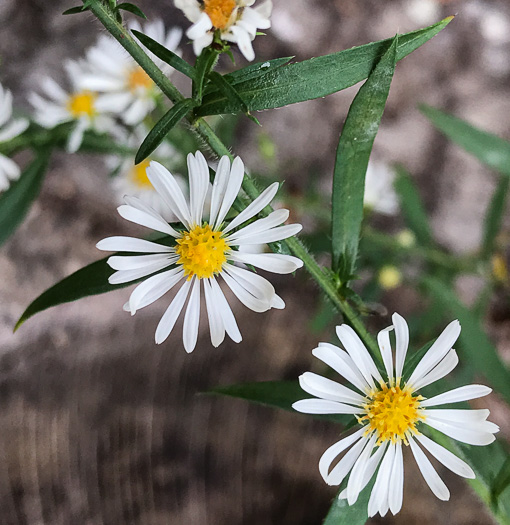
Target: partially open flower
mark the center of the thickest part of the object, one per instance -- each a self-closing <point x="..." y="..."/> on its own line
<point x="233" y="20"/>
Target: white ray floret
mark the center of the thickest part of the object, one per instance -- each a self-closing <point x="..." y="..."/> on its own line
<point x="392" y="414"/>
<point x="9" y="129"/>
<point x="233" y="21"/>
<point x="127" y="90"/>
<point x="205" y="249"/>
<point x="83" y="107"/>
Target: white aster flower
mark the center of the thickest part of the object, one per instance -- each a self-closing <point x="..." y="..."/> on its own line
<point x="131" y="179"/>
<point x="205" y="250"/>
<point x="82" y="106"/>
<point x="391" y="414"/>
<point x="9" y="128"/>
<point x="234" y="20"/>
<point x="380" y="195"/>
<point x="128" y="91"/>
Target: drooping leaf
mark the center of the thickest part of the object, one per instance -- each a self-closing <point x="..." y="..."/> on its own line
<point x="16" y="201"/>
<point x="486" y="147"/>
<point x="475" y="347"/>
<point x="276" y="394"/>
<point x="494" y="216"/>
<point x="75" y="10"/>
<point x="169" y="57"/>
<point x="314" y="78"/>
<point x="354" y="148"/>
<point x="341" y="513"/>
<point x="131" y="8"/>
<point x="412" y="207"/>
<point x="158" y="133"/>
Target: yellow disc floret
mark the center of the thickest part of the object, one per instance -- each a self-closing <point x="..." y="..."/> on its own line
<point x="139" y="175"/>
<point x="138" y="78"/>
<point x="82" y="103"/>
<point x="219" y="11"/>
<point x="202" y="252"/>
<point x="391" y="412"/>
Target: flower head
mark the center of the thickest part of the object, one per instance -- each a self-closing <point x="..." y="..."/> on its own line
<point x="81" y="106"/>
<point x="205" y="250"/>
<point x="392" y="414"/>
<point x="9" y="128"/>
<point x="127" y="89"/>
<point x="232" y="20"/>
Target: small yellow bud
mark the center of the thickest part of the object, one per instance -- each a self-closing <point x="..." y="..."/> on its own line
<point x="389" y="277"/>
<point x="406" y="238"/>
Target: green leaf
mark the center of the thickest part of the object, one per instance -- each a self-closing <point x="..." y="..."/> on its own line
<point x="354" y="148"/>
<point x="75" y="10"/>
<point x="204" y="64"/>
<point x="158" y="133"/>
<point x="494" y="216"/>
<point x="486" y="147"/>
<point x="502" y="481"/>
<point x="475" y="346"/>
<point x="341" y="513"/>
<point x="169" y="57"/>
<point x="256" y="71"/>
<point x="16" y="201"/>
<point x="314" y="78"/>
<point x="276" y="394"/>
<point x="412" y="207"/>
<point x="135" y="10"/>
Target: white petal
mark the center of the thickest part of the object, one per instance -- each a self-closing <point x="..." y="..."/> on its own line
<point x="444" y="456"/>
<point x="144" y="219"/>
<point x="137" y="111"/>
<point x="131" y="244"/>
<point x="167" y="322"/>
<point x="229" y="321"/>
<point x="199" y="182"/>
<point x="378" y="501"/>
<point x="153" y="288"/>
<point x="383" y="340"/>
<point x="437" y="351"/>
<point x="192" y="318"/>
<point x="169" y="189"/>
<point x="275" y="218"/>
<point x="126" y="276"/>
<point x="319" y="386"/>
<point x="273" y="235"/>
<point x="461" y="415"/>
<point x="402" y="343"/>
<point x="271" y="262"/>
<point x="255" y="207"/>
<point x="13" y="129"/>
<point x="257" y="285"/>
<point x="464" y="435"/>
<point x="219" y="187"/>
<point x="76" y="137"/>
<point x="354" y="485"/>
<point x="337" y="448"/>
<point x="201" y="26"/>
<point x="277" y="302"/>
<point x="430" y="475"/>
<point x="199" y="44"/>
<point x="232" y="190"/>
<point x="133" y="262"/>
<point x="344" y="466"/>
<point x="396" y="489"/>
<point x="243" y="40"/>
<point x="9" y="168"/>
<point x="216" y="327"/>
<point x="323" y="406"/>
<point x="450" y="361"/>
<point x="463" y="393"/>
<point x="342" y="363"/>
<point x="251" y="302"/>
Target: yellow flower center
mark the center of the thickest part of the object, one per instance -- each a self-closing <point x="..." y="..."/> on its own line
<point x="138" y="78"/>
<point x="219" y="11"/>
<point x="391" y="413"/>
<point x="202" y="252"/>
<point x="139" y="175"/>
<point x="82" y="103"/>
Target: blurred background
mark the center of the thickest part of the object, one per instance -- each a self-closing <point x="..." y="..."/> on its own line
<point x="98" y="425"/>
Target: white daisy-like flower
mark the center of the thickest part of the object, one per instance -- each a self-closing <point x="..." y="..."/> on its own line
<point x="391" y="414"/>
<point x="204" y="251"/>
<point x="84" y="107"/>
<point x="131" y="179"/>
<point x="128" y="91"/>
<point x="9" y="128"/>
<point x="233" y="20"/>
<point x="380" y="195"/>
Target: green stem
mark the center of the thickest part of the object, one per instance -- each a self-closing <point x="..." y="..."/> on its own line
<point x="207" y="134"/>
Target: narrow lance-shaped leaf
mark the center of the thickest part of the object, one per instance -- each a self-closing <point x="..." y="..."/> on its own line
<point x="75" y="10"/>
<point x="158" y="133"/>
<point x="204" y="64"/>
<point x="169" y="57"/>
<point x="412" y="207"/>
<point x="276" y="394"/>
<point x="354" y="148"/>
<point x="486" y="147"/>
<point x="314" y="78"/>
<point x="494" y="217"/>
<point x="341" y="513"/>
<point x="131" y="8"/>
<point x="16" y="201"/>
<point x="477" y="350"/>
